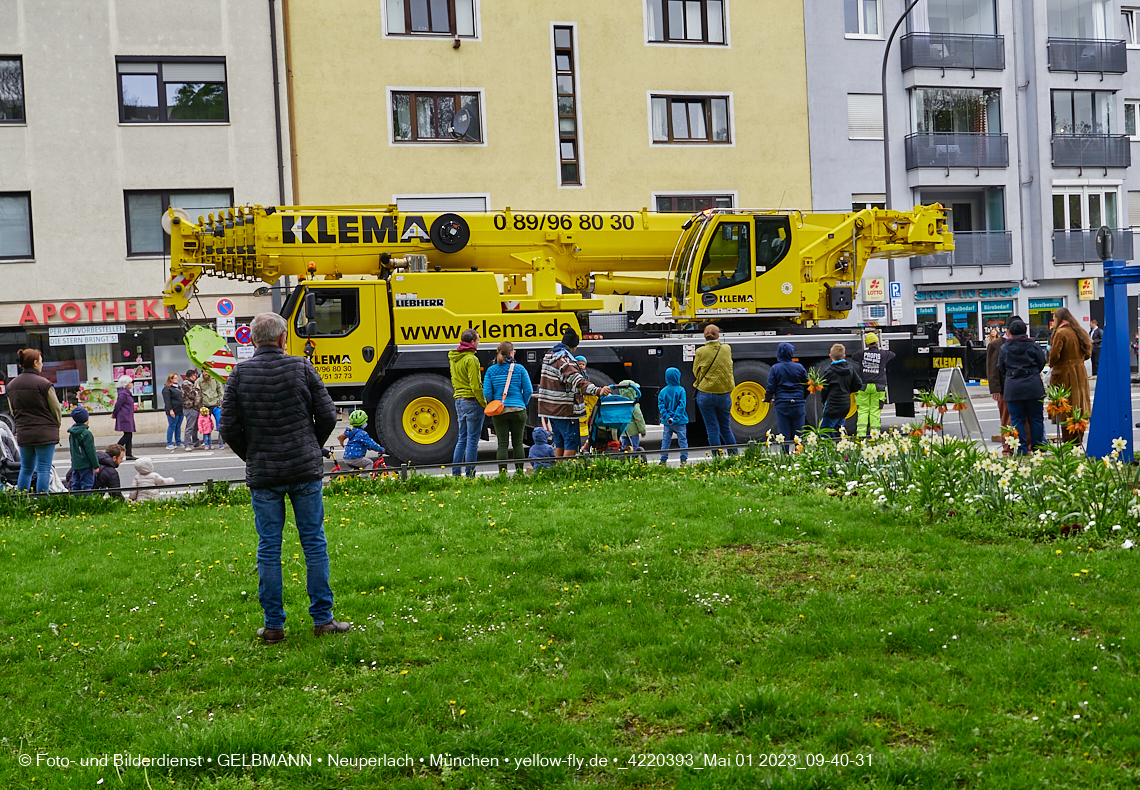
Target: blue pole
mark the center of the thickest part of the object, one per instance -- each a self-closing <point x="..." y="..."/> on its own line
<point x="1112" y="406"/>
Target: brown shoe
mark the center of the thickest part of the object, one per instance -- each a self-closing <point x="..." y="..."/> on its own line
<point x="271" y="636"/>
<point x="331" y="627"/>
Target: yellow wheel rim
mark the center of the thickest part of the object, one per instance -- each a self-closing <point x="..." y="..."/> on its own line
<point x="748" y="406"/>
<point x="426" y="420"/>
<point x="584" y="425"/>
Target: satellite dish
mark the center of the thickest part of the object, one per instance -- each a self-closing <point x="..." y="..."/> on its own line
<point x="180" y="213"/>
<point x="461" y="123"/>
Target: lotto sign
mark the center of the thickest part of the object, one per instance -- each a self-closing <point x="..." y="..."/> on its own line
<point x="874" y="289"/>
<point x="243" y="335"/>
<point x="225" y="307"/>
<point x="1086" y="288"/>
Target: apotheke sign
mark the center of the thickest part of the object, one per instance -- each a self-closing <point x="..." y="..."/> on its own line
<point x="99" y="311"/>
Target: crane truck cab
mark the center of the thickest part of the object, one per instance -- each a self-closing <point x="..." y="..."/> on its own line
<point x="383" y="295"/>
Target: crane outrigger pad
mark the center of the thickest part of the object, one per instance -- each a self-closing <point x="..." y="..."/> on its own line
<point x="209" y="351"/>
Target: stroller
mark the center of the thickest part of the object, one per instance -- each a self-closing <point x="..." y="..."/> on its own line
<point x="610" y="417"/>
<point x="9" y="457"/>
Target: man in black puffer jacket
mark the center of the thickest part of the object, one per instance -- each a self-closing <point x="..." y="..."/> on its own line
<point x="1020" y="361"/>
<point x="276" y="416"/>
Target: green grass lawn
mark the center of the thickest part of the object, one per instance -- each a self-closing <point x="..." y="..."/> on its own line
<point x="650" y="619"/>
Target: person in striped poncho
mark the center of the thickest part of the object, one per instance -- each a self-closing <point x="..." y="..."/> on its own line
<point x="561" y="378"/>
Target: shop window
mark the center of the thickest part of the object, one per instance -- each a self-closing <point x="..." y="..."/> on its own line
<point x="338" y="312"/>
<point x="172" y="91"/>
<point x="1041" y="317"/>
<point x="144" y="210"/>
<point x="961" y="322"/>
<point x="728" y="259"/>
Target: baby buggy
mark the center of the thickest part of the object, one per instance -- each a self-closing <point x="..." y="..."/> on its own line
<point x="9" y="456"/>
<point x="610" y="417"/>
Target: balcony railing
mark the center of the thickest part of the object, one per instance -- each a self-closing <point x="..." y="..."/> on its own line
<point x="1079" y="246"/>
<point x="1091" y="150"/>
<point x="952" y="51"/>
<point x="1087" y="54"/>
<point x="971" y="248"/>
<point x="957" y="149"/>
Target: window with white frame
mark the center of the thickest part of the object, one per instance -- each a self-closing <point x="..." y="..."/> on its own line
<point x="436" y="117"/>
<point x="865" y="116"/>
<point x="689" y="203"/>
<point x="863" y="18"/>
<point x="1130" y="108"/>
<point x="690" y="119"/>
<point x="1128" y="19"/>
<point x="1084" y="208"/>
<point x="443" y="18"/>
<point x="686" y="21"/>
<point x="1134" y="209"/>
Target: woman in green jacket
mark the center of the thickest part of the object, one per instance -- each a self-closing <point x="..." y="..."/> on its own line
<point x="712" y="376"/>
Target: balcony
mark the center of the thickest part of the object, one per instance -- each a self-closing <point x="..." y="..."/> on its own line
<point x="1079" y="246"/>
<point x="972" y="248"/>
<point x="957" y="149"/>
<point x="1087" y="54"/>
<point x="1091" y="150"/>
<point x="952" y="51"/>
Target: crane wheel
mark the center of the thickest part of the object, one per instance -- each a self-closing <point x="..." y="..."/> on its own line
<point x="416" y="421"/>
<point x="450" y="233"/>
<point x="751" y="416"/>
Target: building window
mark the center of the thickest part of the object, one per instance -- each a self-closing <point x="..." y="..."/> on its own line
<point x="862" y="18"/>
<point x="1082" y="112"/>
<point x="686" y="21"/>
<point x="11" y="90"/>
<point x="1130" y="118"/>
<point x="565" y="79"/>
<point x="690" y="204"/>
<point x="144" y="210"/>
<point x="860" y="202"/>
<point x="172" y="91"/>
<point x="968" y="17"/>
<point x="15" y="226"/>
<point x="432" y="17"/>
<point x="690" y="119"/>
<point x="1128" y="19"/>
<point x="865" y="116"/>
<point x="956" y="110"/>
<point x="1084" y="208"/>
<point x="436" y="117"/>
<point x="1088" y="19"/>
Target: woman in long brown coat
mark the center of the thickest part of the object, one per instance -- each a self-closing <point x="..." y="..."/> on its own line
<point x="1069" y="347"/>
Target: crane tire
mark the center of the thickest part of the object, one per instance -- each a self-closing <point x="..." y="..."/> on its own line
<point x="751" y="379"/>
<point x="423" y="403"/>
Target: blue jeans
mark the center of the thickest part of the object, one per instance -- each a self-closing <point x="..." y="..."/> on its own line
<point x="831" y="425"/>
<point x="1026" y="417"/>
<point x="35" y="458"/>
<point x="82" y="479"/>
<point x="217" y="412"/>
<point x="716" y="411"/>
<point x="667" y="433"/>
<point x="631" y="441"/>
<point x="566" y="433"/>
<point x="174" y="429"/>
<point x="790" y="417"/>
<point x="269" y="518"/>
<point x="469" y="416"/>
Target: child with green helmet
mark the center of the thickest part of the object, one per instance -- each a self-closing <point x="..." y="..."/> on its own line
<point x="357" y="442"/>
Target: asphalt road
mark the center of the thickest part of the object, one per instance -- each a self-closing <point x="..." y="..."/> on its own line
<point x="201" y="465"/>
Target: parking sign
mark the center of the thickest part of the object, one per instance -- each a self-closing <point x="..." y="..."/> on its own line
<point x="896" y="290"/>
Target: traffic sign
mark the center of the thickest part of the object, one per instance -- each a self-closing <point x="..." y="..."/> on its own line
<point x="225" y="307"/>
<point x="243" y="335"/>
<point x="227" y="324"/>
<point x="896" y="290"/>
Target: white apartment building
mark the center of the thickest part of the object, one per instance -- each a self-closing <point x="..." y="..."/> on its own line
<point x="1018" y="115"/>
<point x="111" y="110"/>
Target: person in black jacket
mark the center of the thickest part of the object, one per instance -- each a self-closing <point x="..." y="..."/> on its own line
<point x="1020" y="362"/>
<point x="107" y="475"/>
<point x="871" y="363"/>
<point x="840" y="380"/>
<point x="172" y="405"/>
<point x="787" y="391"/>
<point x="276" y="416"/>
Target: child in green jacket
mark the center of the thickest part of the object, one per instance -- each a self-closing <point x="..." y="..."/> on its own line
<point x="84" y="462"/>
<point x="635" y="431"/>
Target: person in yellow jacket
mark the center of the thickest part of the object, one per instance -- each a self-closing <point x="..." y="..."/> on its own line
<point x="712" y="376"/>
<point x="469" y="400"/>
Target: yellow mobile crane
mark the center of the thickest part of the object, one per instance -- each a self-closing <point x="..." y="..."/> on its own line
<point x="384" y="294"/>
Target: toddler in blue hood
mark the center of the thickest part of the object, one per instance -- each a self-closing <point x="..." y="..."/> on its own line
<point x="542" y="448"/>
<point x="787" y="391"/>
<point x="672" y="403"/>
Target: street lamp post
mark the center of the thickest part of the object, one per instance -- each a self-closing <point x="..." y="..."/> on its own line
<point x="887" y="148"/>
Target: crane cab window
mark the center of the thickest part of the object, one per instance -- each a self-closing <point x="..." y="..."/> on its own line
<point x="728" y="259"/>
<point x="338" y="312"/>
<point x="773" y="240"/>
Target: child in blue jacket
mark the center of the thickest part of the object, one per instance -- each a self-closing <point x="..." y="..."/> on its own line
<point x="357" y="442"/>
<point x="542" y="448"/>
<point x="672" y="403"/>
